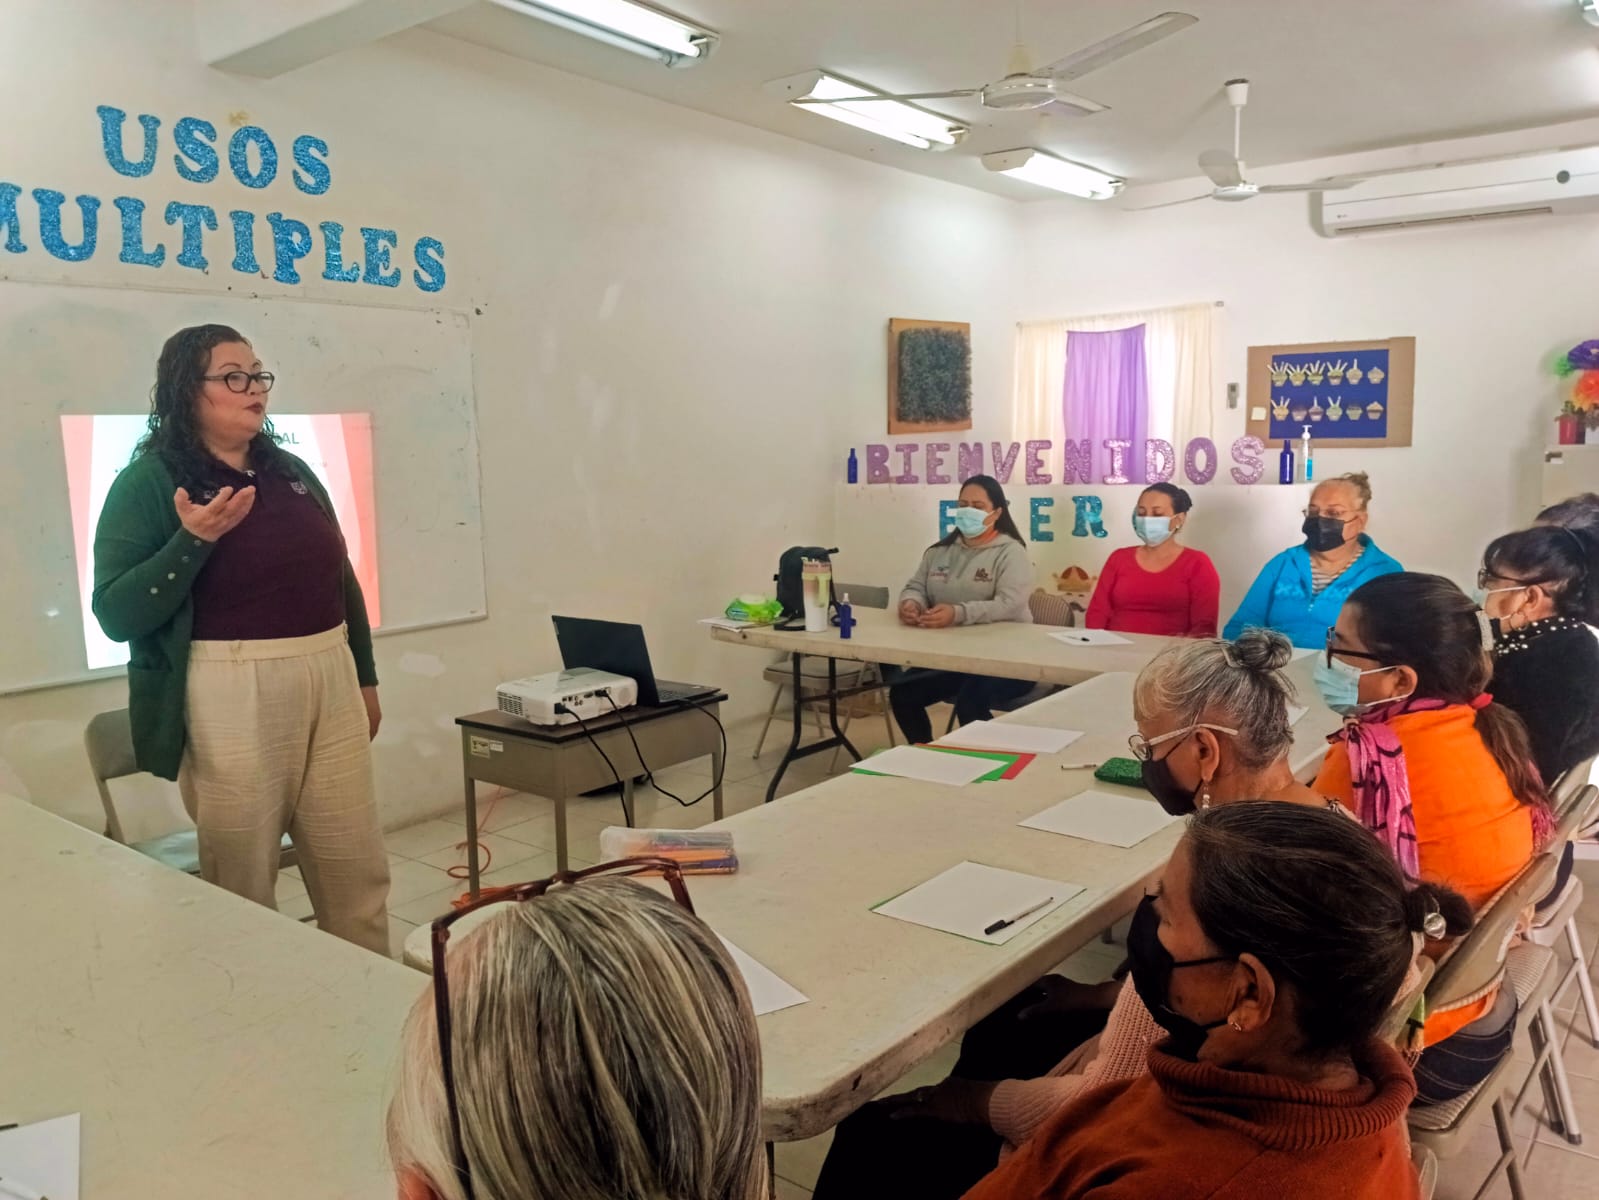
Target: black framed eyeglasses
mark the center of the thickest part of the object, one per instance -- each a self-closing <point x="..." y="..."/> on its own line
<point x="1336" y="514"/>
<point x="1332" y="648"/>
<point x="1486" y="579"/>
<point x="240" y="381"/>
<point x="671" y="871"/>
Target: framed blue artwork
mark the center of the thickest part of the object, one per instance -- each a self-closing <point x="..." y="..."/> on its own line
<point x="1350" y="394"/>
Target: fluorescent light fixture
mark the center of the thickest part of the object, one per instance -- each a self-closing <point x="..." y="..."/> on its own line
<point x="1061" y="174"/>
<point x="904" y="123"/>
<point x="625" y="25"/>
<point x="1590" y="11"/>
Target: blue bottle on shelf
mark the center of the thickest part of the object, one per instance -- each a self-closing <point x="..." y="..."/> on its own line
<point x="854" y="469"/>
<point x="1285" y="463"/>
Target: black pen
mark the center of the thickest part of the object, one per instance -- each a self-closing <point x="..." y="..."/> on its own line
<point x="1007" y="922"/>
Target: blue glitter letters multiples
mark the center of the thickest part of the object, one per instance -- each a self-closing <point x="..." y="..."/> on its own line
<point x="41" y="218"/>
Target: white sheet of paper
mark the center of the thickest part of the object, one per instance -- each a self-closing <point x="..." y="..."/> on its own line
<point x="928" y="766"/>
<point x="1090" y="637"/>
<point x="727" y="623"/>
<point x="1010" y="737"/>
<point x="43" y="1157"/>
<point x="969" y="897"/>
<point x="1295" y="711"/>
<point x="1102" y="817"/>
<point x="768" y="993"/>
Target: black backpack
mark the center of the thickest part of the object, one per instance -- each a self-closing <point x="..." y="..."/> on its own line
<point x="790" y="588"/>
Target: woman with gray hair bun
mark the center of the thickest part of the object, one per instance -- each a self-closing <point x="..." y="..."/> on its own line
<point x="1213" y="730"/>
<point x="1213" y="724"/>
<point x="604" y="1048"/>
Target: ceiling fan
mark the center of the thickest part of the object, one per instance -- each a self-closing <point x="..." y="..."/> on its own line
<point x="1023" y="88"/>
<point x="1226" y="170"/>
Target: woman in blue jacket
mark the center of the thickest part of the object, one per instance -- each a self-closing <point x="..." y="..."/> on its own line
<point x="1300" y="591"/>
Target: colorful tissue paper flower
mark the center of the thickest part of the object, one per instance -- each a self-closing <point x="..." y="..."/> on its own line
<point x="1562" y="366"/>
<point x="1584" y="356"/>
<point x="1586" y="392"/>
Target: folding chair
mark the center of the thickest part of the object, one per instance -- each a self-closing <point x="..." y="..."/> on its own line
<point x="1536" y="960"/>
<point x="108" y="741"/>
<point x="781" y="676"/>
<point x="1476" y="963"/>
<point x="1560" y="917"/>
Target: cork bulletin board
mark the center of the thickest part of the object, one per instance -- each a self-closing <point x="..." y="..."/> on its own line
<point x="1351" y="394"/>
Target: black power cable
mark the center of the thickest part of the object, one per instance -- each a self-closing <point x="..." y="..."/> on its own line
<point x="583" y="725"/>
<point x="649" y="776"/>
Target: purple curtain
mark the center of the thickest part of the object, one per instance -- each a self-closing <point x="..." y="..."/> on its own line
<point x="1107" y="395"/>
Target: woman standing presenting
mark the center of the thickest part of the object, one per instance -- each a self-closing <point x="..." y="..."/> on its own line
<point x="219" y="560"/>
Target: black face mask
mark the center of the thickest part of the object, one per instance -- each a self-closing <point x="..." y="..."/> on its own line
<point x="1152" y="966"/>
<point x="1159" y="782"/>
<point x="1323" y="533"/>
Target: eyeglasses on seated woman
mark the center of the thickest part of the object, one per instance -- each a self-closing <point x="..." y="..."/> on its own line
<point x="591" y="1039"/>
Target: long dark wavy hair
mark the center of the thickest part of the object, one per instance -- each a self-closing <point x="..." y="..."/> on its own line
<point x="174" y="430"/>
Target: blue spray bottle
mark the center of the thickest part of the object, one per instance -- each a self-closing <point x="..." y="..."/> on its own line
<point x="853" y="469"/>
<point x="1285" y="463"/>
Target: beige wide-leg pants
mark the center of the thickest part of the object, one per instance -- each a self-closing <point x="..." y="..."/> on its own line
<point x="278" y="744"/>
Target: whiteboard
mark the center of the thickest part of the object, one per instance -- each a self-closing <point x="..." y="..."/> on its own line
<point x="87" y="350"/>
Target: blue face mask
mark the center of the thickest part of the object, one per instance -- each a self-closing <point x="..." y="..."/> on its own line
<point x="972" y="522"/>
<point x="1152" y="531"/>
<point x="1339" y="685"/>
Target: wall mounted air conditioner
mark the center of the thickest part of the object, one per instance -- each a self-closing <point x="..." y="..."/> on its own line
<point x="1563" y="181"/>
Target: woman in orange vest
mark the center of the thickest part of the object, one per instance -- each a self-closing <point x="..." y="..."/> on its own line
<point x="1440" y="773"/>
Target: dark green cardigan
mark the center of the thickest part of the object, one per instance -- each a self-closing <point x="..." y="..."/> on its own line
<point x="145" y="563"/>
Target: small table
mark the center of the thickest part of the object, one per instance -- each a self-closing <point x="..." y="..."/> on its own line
<point x="562" y="761"/>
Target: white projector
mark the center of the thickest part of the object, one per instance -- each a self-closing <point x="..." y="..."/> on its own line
<point x="562" y="697"/>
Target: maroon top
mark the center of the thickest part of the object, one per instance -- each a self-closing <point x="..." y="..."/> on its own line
<point x="279" y="573"/>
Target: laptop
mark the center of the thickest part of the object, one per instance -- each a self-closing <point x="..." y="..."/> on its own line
<point x="619" y="648"/>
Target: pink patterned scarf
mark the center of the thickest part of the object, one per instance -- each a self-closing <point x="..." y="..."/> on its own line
<point x="1382" y="784"/>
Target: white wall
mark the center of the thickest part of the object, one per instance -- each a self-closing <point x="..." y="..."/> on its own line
<point x="1489" y="305"/>
<point x="682" y="330"/>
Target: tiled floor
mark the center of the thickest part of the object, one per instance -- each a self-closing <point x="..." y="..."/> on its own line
<point x="519" y="834"/>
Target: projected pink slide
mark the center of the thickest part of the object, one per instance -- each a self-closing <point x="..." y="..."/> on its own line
<point x="336" y="446"/>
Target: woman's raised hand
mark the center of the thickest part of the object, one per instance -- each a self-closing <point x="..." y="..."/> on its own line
<point x="208" y="522"/>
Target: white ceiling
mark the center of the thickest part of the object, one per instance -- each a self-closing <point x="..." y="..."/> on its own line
<point x="1329" y="76"/>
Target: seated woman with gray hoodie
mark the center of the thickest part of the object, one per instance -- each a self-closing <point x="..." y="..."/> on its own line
<point x="978" y="574"/>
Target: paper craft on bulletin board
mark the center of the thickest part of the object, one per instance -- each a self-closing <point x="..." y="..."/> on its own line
<point x="1351" y="394"/>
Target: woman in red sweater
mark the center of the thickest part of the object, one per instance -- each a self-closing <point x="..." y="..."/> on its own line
<point x="1270" y="953"/>
<point x="1161" y="586"/>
